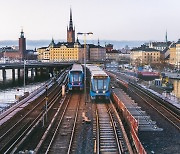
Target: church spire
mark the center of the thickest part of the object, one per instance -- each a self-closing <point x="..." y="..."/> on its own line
<point x="166" y="37"/>
<point x="71" y="22"/>
<point x="98" y="42"/>
<point x="70" y="30"/>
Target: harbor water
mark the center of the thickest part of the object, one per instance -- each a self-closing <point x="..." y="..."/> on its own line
<point x="9" y="88"/>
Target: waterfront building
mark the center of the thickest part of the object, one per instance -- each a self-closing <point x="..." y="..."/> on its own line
<point x="18" y="52"/>
<point x="159" y="45"/>
<point x="96" y="52"/>
<point x="60" y="52"/>
<point x="175" y="54"/>
<point x="112" y="55"/>
<point x="109" y="47"/>
<point x="178" y="54"/>
<point x="9" y="53"/>
<point x="172" y="54"/>
<point x="144" y="55"/>
<point x="14" y="52"/>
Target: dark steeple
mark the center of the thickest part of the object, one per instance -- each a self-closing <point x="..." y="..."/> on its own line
<point x="71" y="22"/>
<point x="71" y="30"/>
<point x="166" y="37"/>
<point x="52" y="43"/>
<point x="77" y="40"/>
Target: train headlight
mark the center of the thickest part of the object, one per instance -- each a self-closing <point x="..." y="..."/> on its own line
<point x="97" y="91"/>
<point x="104" y="91"/>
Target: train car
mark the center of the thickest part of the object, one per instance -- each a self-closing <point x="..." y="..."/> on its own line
<point x="76" y="77"/>
<point x="99" y="83"/>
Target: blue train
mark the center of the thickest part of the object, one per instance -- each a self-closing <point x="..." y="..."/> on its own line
<point x="76" y="77"/>
<point x="99" y="83"/>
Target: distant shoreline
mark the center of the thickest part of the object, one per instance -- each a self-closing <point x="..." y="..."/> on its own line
<point x="32" y="44"/>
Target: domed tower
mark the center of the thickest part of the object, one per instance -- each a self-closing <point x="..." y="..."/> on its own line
<point x="22" y="45"/>
<point x="70" y="30"/>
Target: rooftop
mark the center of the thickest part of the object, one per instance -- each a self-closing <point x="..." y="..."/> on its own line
<point x="144" y="48"/>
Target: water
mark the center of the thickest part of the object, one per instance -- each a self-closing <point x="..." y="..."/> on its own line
<point x="10" y="88"/>
<point x="7" y="96"/>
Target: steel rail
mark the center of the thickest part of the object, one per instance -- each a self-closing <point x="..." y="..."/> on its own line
<point x="122" y="129"/>
<point x="36" y="150"/>
<point x="97" y="133"/>
<point x="56" y="130"/>
<point x="119" y="145"/>
<point x="158" y="108"/>
<point x="25" y="116"/>
<point x="14" y="146"/>
<point x="74" y="126"/>
<point x="23" y="127"/>
<point x="36" y="122"/>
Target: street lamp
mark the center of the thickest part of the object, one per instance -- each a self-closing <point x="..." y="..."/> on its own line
<point x="90" y="33"/>
<point x="24" y="75"/>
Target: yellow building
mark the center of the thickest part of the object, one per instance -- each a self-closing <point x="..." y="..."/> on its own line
<point x="144" y="55"/>
<point x="60" y="52"/>
<point x="177" y="64"/>
<point x="172" y="54"/>
<point x="175" y="54"/>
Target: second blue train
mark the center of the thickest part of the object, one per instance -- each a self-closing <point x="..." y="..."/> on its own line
<point x="99" y="83"/>
<point x="76" y="77"/>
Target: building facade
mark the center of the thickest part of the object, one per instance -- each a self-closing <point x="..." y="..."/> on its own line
<point x="172" y="53"/>
<point x="175" y="54"/>
<point x="60" y="52"/>
<point x="112" y="55"/>
<point x="144" y="55"/>
<point x="96" y="52"/>
<point x="177" y="64"/>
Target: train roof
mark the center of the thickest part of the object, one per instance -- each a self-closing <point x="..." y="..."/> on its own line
<point x="77" y="67"/>
<point x="96" y="71"/>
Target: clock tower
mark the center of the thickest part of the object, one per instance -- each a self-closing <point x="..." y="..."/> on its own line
<point x="22" y="45"/>
<point x="70" y="30"/>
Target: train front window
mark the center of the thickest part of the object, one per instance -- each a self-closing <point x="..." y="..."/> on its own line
<point x="76" y="77"/>
<point x="100" y="84"/>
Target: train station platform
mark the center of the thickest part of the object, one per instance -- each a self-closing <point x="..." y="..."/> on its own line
<point x="144" y="121"/>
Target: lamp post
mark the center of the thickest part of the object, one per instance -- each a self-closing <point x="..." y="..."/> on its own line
<point x="24" y="76"/>
<point x="90" y="33"/>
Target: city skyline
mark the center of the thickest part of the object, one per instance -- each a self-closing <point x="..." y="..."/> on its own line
<point x="117" y="20"/>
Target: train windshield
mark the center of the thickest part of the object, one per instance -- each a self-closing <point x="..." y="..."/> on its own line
<point x="76" y="76"/>
<point x="100" y="84"/>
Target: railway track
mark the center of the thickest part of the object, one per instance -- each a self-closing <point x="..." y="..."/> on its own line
<point x="14" y="134"/>
<point x="62" y="134"/>
<point x="109" y="133"/>
<point x="162" y="109"/>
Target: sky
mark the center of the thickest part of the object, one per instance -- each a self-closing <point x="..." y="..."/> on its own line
<point x="107" y="19"/>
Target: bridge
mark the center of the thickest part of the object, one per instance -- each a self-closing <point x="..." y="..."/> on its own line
<point x="33" y="66"/>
